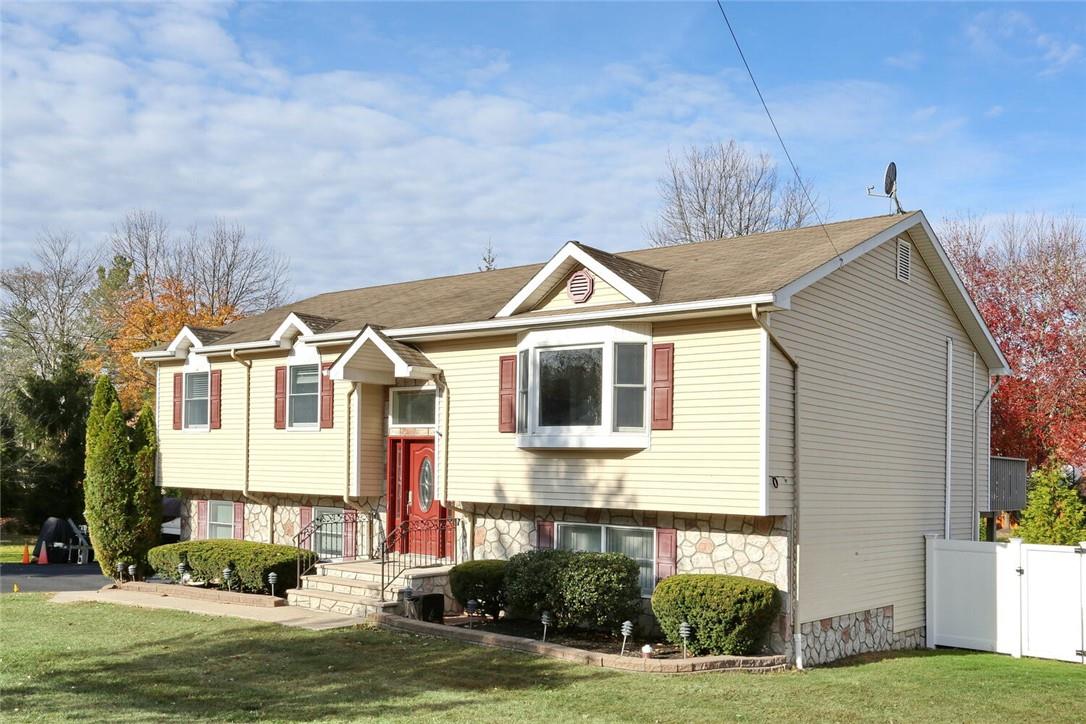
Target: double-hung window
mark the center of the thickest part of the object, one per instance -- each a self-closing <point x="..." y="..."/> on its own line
<point x="220" y="519"/>
<point x="196" y="400"/>
<point x="637" y="543"/>
<point x="304" y="402"/>
<point x="328" y="541"/>
<point x="583" y="387"/>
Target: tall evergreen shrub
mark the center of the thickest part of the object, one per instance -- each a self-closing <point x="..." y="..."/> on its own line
<point x="1054" y="514"/>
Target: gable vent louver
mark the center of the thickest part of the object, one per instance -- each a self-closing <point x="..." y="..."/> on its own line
<point x="580" y="286"/>
<point x="904" y="260"/>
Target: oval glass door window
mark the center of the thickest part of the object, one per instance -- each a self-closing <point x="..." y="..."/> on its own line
<point x="426" y="485"/>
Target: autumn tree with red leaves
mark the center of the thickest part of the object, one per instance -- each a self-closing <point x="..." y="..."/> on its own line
<point x="1028" y="279"/>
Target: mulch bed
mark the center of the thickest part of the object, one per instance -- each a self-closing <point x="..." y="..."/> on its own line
<point x="597" y="641"/>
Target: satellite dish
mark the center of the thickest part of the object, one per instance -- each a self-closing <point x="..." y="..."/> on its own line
<point x="890" y="183"/>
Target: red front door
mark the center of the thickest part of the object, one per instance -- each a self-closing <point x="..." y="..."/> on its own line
<point x="418" y="516"/>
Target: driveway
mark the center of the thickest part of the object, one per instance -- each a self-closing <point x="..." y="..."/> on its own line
<point x="52" y="577"/>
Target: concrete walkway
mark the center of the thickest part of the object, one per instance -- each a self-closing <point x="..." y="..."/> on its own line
<point x="283" y="615"/>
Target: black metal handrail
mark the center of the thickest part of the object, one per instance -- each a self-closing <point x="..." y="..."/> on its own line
<point x="326" y="535"/>
<point x="410" y="544"/>
<point x="417" y="544"/>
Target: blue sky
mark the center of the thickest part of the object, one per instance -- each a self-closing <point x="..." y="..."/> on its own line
<point x="374" y="142"/>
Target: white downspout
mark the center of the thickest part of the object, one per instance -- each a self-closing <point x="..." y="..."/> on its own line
<point x="949" y="435"/>
<point x="793" y="537"/>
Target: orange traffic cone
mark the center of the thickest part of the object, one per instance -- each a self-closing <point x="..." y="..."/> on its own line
<point x="26" y="554"/>
<point x="43" y="557"/>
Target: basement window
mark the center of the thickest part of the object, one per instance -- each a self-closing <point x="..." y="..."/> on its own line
<point x="220" y="519"/>
<point x="637" y="543"/>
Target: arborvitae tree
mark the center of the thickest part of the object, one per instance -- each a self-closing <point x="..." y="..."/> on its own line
<point x="108" y="493"/>
<point x="104" y="397"/>
<point x="146" y="503"/>
<point x="1054" y="514"/>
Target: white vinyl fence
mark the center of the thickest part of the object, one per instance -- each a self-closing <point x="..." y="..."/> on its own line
<point x="1014" y="598"/>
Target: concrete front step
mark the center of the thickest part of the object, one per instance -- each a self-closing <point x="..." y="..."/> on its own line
<point x="344" y="603"/>
<point x="363" y="571"/>
<point x="339" y="584"/>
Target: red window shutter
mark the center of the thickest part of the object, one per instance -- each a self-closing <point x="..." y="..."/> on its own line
<point x="666" y="552"/>
<point x="280" y="398"/>
<point x="507" y="393"/>
<point x="328" y="396"/>
<point x="178" y="399"/>
<point x="350" y="528"/>
<point x="544" y="534"/>
<point x="201" y="521"/>
<point x="305" y="516"/>
<point x="663" y="388"/>
<point x="215" y="401"/>
<point x="239" y="521"/>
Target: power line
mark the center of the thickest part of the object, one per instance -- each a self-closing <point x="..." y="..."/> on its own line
<point x="799" y="179"/>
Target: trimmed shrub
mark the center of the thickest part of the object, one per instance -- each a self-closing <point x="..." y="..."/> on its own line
<point x="482" y="580"/>
<point x="727" y="614"/>
<point x="531" y="581"/>
<point x="599" y="590"/>
<point x="252" y="562"/>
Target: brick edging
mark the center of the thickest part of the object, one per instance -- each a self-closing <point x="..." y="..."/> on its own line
<point x="580" y="656"/>
<point x="259" y="600"/>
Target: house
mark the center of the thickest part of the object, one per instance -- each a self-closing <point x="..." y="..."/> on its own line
<point x="800" y="406"/>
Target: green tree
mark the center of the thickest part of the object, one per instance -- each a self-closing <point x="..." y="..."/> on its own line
<point x="123" y="508"/>
<point x="1054" y="514"/>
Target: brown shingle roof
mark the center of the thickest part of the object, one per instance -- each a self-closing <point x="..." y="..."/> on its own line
<point x="741" y="266"/>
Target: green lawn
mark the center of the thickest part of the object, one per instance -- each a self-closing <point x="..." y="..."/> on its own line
<point x="97" y="662"/>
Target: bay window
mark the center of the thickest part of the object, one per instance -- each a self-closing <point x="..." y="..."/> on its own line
<point x="583" y="387"/>
<point x="637" y="543"/>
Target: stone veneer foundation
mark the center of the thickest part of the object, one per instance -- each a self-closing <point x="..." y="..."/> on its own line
<point x="756" y="547"/>
<point x="836" y="637"/>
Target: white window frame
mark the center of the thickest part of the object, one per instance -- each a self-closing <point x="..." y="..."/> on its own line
<point x="315" y="425"/>
<point x="603" y="541"/>
<point x="195" y="364"/>
<point x="392" y="391"/>
<point x="604" y="435"/>
<point x="211" y="505"/>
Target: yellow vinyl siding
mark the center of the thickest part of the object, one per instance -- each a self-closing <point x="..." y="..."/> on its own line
<point x="603" y="293"/>
<point x="709" y="462"/>
<point x="203" y="458"/>
<point x="373" y="440"/>
<point x="872" y="412"/>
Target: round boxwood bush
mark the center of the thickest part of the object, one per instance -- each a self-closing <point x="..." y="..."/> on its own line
<point x="727" y="614"/>
<point x="482" y="580"/>
<point x="251" y="561"/>
<point x="599" y="590"/>
<point x="531" y="581"/>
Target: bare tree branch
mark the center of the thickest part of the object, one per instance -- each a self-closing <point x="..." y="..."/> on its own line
<point x="721" y="191"/>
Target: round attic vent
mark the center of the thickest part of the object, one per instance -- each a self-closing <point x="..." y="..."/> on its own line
<point x="580" y="286"/>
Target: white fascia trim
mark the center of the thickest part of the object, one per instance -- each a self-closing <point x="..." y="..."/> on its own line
<point x="532" y="322"/>
<point x="369" y="334"/>
<point x="572" y="251"/>
<point x="1005" y="369"/>
<point x="291" y="322"/>
<point x="785" y="293"/>
<point x="185" y="335"/>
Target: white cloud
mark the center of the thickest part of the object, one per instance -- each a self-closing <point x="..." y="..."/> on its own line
<point x="1014" y="36"/>
<point x="366" y="177"/>
<point x="908" y="60"/>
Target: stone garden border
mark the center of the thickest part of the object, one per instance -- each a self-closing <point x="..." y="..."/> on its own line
<point x="693" y="664"/>
<point x="202" y="594"/>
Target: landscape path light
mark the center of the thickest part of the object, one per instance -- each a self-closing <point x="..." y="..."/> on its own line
<point x="684" y="634"/>
<point x="273" y="578"/>
<point x="120" y="570"/>
<point x="471" y="608"/>
<point x="227" y="574"/>
<point x="132" y="571"/>
<point x="546" y="620"/>
<point x="627" y="632"/>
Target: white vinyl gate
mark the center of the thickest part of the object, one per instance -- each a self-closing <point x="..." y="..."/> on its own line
<point x="1014" y="598"/>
